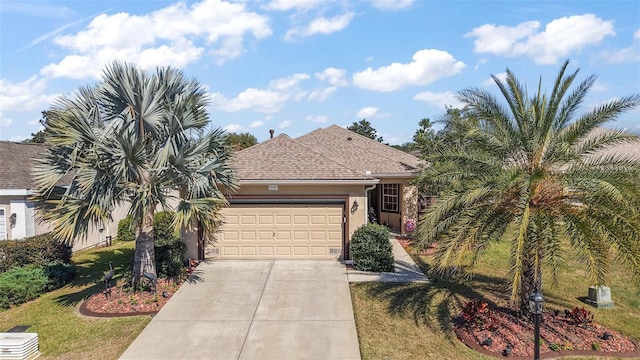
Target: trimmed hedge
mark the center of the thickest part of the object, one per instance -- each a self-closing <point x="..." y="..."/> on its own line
<point x="168" y="246"/>
<point x="38" y="250"/>
<point x="21" y="284"/>
<point x="371" y="249"/>
<point x="59" y="274"/>
<point x="126" y="230"/>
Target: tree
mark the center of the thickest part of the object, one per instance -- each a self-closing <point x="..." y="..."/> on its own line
<point x="241" y="141"/>
<point x="41" y="136"/>
<point x="537" y="176"/>
<point x="364" y="128"/>
<point x="136" y="140"/>
<point x="425" y="138"/>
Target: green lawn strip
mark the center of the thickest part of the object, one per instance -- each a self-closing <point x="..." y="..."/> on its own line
<point x="62" y="332"/>
<point x="413" y="321"/>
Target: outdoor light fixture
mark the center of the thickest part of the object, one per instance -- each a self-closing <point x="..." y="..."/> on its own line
<point x="536" y="305"/>
<point x="12" y="220"/>
<point x="354" y="206"/>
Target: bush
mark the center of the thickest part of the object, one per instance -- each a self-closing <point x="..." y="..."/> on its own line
<point x="37" y="250"/>
<point x="168" y="247"/>
<point x="126" y="230"/>
<point x="21" y="284"/>
<point x="371" y="249"/>
<point x="59" y="274"/>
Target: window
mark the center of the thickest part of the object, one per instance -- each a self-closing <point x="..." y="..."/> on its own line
<point x="390" y="197"/>
<point x="3" y="225"/>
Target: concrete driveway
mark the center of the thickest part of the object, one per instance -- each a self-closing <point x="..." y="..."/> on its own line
<point x="253" y="309"/>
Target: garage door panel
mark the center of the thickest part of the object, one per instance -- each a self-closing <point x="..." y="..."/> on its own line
<point x="280" y="231"/>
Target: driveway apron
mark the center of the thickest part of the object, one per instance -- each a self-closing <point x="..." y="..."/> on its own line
<point x="255" y="309"/>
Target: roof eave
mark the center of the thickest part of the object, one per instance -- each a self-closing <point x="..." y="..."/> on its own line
<point x="15" y="192"/>
<point x="309" y="182"/>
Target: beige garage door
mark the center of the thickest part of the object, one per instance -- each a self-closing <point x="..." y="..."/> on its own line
<point x="279" y="231"/>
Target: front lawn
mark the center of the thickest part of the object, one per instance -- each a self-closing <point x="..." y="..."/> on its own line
<point x="62" y="332"/>
<point x="412" y="321"/>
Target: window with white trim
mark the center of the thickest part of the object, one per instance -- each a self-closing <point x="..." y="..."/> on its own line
<point x="3" y="225"/>
<point x="391" y="197"/>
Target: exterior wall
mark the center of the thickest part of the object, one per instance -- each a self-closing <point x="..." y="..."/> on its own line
<point x="407" y="207"/>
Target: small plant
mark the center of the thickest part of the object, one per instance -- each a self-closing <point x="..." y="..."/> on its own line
<point x="133" y="300"/>
<point x="479" y="314"/>
<point x="567" y="346"/>
<point x="554" y="347"/>
<point x="581" y="316"/>
<point x="595" y="346"/>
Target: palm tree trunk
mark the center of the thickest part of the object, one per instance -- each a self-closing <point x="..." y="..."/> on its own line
<point x="531" y="280"/>
<point x="144" y="257"/>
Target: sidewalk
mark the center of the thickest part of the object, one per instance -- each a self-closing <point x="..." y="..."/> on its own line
<point x="406" y="269"/>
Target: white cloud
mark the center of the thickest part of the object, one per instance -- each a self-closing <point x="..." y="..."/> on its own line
<point x="176" y="35"/>
<point x="284" y="124"/>
<point x="599" y="87"/>
<point x="4" y="122"/>
<point x="269" y="100"/>
<point x="233" y="128"/>
<point x="25" y="96"/>
<point x="266" y="101"/>
<point x="428" y="65"/>
<point x="490" y="82"/>
<point x="440" y="100"/>
<point x="320" y="119"/>
<point x="256" y="124"/>
<point x="289" y="82"/>
<point x="333" y="76"/>
<point x="391" y="4"/>
<point x="629" y="54"/>
<point x="301" y="5"/>
<point x="560" y="37"/>
<point x="321" y="25"/>
<point x="366" y="112"/>
<point x="322" y="94"/>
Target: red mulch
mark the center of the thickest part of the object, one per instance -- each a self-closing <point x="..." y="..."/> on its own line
<point x="407" y="244"/>
<point x="571" y="339"/>
<point x="122" y="301"/>
<point x="509" y="329"/>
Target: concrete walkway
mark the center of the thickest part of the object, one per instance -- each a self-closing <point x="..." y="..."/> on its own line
<point x="272" y="309"/>
<point x="406" y="269"/>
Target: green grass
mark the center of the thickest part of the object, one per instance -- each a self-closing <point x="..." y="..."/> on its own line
<point x="65" y="334"/>
<point x="413" y="321"/>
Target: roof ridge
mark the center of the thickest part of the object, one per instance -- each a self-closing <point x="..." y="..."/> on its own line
<point x="327" y="157"/>
<point x="260" y="144"/>
<point x="373" y="142"/>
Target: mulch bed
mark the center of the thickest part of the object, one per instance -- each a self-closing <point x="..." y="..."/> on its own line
<point x="122" y="301"/>
<point x="559" y="332"/>
<point x="407" y="244"/>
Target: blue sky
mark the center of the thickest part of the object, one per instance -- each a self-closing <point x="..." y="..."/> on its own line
<point x="297" y="65"/>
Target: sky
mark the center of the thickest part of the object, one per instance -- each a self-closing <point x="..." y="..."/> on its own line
<point x="298" y="65"/>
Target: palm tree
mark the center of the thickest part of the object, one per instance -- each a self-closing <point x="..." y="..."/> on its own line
<point x="134" y="140"/>
<point x="541" y="177"/>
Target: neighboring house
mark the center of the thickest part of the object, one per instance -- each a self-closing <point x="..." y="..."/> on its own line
<point x="17" y="217"/>
<point x="304" y="197"/>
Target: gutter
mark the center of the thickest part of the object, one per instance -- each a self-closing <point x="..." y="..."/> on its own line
<point x="311" y="182"/>
<point x="15" y="192"/>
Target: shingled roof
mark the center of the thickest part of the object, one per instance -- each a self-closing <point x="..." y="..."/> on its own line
<point x="360" y="153"/>
<point x="332" y="153"/>
<point x="283" y="158"/>
<point x="15" y="168"/>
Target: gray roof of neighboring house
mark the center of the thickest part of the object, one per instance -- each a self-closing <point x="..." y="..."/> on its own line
<point x="15" y="164"/>
<point x="332" y="153"/>
<point x="359" y="152"/>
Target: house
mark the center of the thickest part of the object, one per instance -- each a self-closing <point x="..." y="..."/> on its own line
<point x="302" y="198"/>
<point x="17" y="218"/>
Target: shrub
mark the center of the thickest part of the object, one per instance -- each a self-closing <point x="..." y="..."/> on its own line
<point x="21" y="284"/>
<point x="126" y="230"/>
<point x="59" y="274"/>
<point x="581" y="316"/>
<point x="479" y="314"/>
<point x="37" y="250"/>
<point x="371" y="249"/>
<point x="168" y="247"/>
